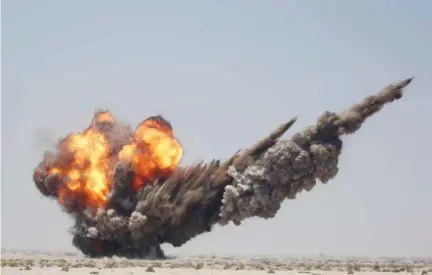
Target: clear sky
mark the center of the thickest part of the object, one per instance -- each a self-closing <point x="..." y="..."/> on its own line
<point x="225" y="73"/>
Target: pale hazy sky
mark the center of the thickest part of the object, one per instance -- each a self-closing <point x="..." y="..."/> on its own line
<point x="224" y="73"/>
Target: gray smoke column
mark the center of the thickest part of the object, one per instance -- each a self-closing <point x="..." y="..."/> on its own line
<point x="173" y="208"/>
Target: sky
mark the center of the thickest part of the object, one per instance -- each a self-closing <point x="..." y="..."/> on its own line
<point x="225" y="73"/>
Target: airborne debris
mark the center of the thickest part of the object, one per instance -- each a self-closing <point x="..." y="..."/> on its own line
<point x="128" y="195"/>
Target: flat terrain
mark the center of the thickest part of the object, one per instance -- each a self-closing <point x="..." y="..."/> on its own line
<point x="33" y="263"/>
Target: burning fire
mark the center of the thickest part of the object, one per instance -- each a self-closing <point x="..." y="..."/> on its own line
<point x="154" y="151"/>
<point x="87" y="159"/>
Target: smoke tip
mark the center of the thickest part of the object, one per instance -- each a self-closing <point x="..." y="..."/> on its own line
<point x="292" y="121"/>
<point x="404" y="83"/>
<point x="400" y="86"/>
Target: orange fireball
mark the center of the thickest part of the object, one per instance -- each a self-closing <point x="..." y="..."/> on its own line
<point x="86" y="160"/>
<point x="154" y="152"/>
<point x="86" y="175"/>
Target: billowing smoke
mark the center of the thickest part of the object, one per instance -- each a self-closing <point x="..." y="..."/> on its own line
<point x="128" y="196"/>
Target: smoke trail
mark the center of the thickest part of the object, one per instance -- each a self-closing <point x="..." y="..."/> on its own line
<point x="175" y="208"/>
<point x="291" y="166"/>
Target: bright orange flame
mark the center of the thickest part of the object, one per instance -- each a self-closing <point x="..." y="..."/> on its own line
<point x="153" y="153"/>
<point x="87" y="174"/>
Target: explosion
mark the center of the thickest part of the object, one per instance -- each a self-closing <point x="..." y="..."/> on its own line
<point x="154" y="152"/>
<point x="84" y="163"/>
<point x="128" y="195"/>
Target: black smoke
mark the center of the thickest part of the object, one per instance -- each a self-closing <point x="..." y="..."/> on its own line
<point x="189" y="202"/>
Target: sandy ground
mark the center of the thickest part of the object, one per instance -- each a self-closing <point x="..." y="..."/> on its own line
<point x="34" y="263"/>
<point x="163" y="271"/>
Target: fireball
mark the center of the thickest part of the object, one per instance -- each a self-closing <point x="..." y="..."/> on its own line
<point x="154" y="152"/>
<point x="85" y="161"/>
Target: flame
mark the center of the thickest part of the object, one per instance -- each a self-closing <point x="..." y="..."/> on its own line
<point x="154" y="152"/>
<point x="86" y="176"/>
<point x="87" y="173"/>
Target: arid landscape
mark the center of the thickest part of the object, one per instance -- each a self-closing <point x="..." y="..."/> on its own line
<point x="216" y="137"/>
<point x="34" y="263"/>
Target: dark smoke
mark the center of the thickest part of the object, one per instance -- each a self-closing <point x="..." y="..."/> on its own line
<point x="254" y="182"/>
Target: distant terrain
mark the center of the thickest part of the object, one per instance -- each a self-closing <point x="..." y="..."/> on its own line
<point x="39" y="262"/>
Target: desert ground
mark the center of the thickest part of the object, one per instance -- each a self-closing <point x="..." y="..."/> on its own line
<point x="35" y="263"/>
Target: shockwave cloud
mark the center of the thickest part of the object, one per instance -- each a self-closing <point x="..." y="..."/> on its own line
<point x="128" y="195"/>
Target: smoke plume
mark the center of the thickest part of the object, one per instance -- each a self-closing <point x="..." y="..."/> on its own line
<point x="128" y="195"/>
